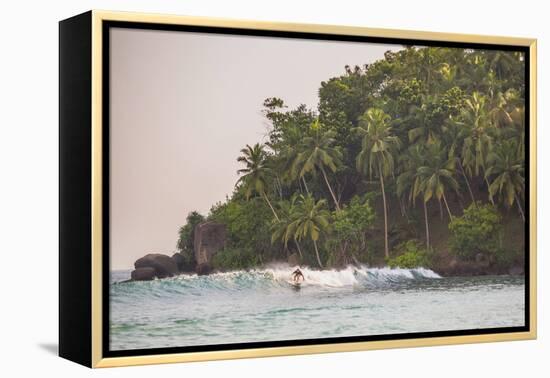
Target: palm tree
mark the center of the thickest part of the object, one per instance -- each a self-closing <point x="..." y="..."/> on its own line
<point x="453" y="139"/>
<point x="377" y="153"/>
<point x="310" y="220"/>
<point x="284" y="230"/>
<point x="409" y="181"/>
<point x="288" y="154"/>
<point x="423" y="128"/>
<point x="506" y="168"/>
<point x="429" y="65"/>
<point x="437" y="175"/>
<point x="502" y="62"/>
<point x="256" y="173"/>
<point x="478" y="141"/>
<point x="502" y="106"/>
<point x="317" y="153"/>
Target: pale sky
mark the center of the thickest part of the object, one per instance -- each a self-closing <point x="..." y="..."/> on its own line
<point x="183" y="105"/>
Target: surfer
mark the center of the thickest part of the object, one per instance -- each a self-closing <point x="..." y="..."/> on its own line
<point x="297" y="275"/>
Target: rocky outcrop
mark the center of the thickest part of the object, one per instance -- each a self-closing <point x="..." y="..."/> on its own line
<point x="516" y="271"/>
<point x="183" y="264"/>
<point x="163" y="265"/>
<point x="143" y="274"/>
<point x="209" y="238"/>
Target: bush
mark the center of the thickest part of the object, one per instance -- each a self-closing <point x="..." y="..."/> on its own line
<point x="477" y="231"/>
<point x="349" y="227"/>
<point x="410" y="254"/>
<point x="234" y="259"/>
<point x="186" y="237"/>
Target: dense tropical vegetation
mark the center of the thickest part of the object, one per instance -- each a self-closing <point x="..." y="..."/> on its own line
<point x="415" y="157"/>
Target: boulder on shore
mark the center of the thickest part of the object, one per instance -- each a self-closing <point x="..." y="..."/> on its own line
<point x="203" y="269"/>
<point x="209" y="238"/>
<point x="143" y="274"/>
<point x="516" y="270"/>
<point x="184" y="266"/>
<point x="163" y="265"/>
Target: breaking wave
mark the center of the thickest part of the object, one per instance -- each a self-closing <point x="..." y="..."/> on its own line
<point x="274" y="277"/>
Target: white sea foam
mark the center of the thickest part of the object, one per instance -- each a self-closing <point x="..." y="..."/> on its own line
<point x="349" y="276"/>
<point x="282" y="274"/>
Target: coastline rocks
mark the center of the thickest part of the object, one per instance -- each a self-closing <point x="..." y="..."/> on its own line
<point x="163" y="265"/>
<point x="516" y="271"/>
<point x="181" y="262"/>
<point x="209" y="238"/>
<point x="203" y="269"/>
<point x="143" y="274"/>
<point x="457" y="267"/>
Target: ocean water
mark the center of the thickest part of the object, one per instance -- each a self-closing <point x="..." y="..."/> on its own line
<point x="261" y="305"/>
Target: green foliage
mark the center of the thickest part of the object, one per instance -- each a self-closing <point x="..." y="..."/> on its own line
<point x="248" y="224"/>
<point x="506" y="169"/>
<point x="185" y="244"/>
<point x="349" y="227"/>
<point x="424" y="125"/>
<point x="256" y="174"/>
<point x="310" y="221"/>
<point x="235" y="259"/>
<point x="317" y="154"/>
<point x="478" y="230"/>
<point x="410" y="254"/>
<point x="379" y="145"/>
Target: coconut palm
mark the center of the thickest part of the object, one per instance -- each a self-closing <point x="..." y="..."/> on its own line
<point x="453" y="138"/>
<point x="376" y="158"/>
<point x="288" y="154"/>
<point x="423" y="129"/>
<point x="505" y="171"/>
<point x="310" y="220"/>
<point x="478" y="141"/>
<point x="409" y="181"/>
<point x="437" y="175"/>
<point x="256" y="173"/>
<point x="317" y="153"/>
<point x="502" y="106"/>
<point x="284" y="229"/>
<point x="429" y="66"/>
<point x="502" y="62"/>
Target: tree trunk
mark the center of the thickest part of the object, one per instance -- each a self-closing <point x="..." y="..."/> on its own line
<point x="520" y="208"/>
<point x="427" y="226"/>
<point x="299" y="249"/>
<point x="305" y="184"/>
<point x="271" y="207"/>
<point x="356" y="262"/>
<point x="386" y="247"/>
<point x="447" y="206"/>
<point x="279" y="187"/>
<point x="440" y="209"/>
<point x="330" y="189"/>
<point x="317" y="254"/>
<point x="343" y="252"/>
<point x="467" y="183"/>
<point x="489" y="191"/>
<point x="401" y="206"/>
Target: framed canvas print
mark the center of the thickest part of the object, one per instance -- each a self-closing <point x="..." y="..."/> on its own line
<point x="235" y="189"/>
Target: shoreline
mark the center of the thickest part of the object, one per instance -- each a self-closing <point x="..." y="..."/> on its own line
<point x="458" y="269"/>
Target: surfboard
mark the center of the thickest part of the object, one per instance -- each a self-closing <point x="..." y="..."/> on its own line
<point x="295" y="285"/>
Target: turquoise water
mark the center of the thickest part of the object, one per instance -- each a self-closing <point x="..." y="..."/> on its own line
<point x="261" y="305"/>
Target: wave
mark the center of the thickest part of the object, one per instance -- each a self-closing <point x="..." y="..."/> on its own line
<point x="280" y="276"/>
